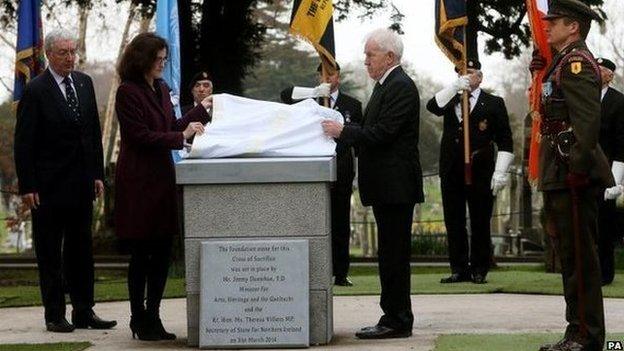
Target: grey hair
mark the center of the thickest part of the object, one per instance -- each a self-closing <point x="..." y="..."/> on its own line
<point x="387" y="40"/>
<point x="56" y="35"/>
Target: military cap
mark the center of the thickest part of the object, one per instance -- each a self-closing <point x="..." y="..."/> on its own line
<point x="471" y="64"/>
<point x="203" y="75"/>
<point x="572" y="9"/>
<point x="606" y="63"/>
<point x="320" y="67"/>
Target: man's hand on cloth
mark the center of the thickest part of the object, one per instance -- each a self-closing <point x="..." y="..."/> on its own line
<point x="332" y="128"/>
<point x="321" y="90"/>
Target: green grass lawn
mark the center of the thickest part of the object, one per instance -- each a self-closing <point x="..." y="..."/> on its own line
<point x="64" y="346"/>
<point x="19" y="287"/>
<point x="498" y="342"/>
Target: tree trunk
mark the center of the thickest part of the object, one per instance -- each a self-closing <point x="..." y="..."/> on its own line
<point x="110" y="132"/>
<point x="228" y="39"/>
<point x="83" y="16"/>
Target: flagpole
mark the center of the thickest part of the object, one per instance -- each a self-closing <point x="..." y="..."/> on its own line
<point x="465" y="117"/>
<point x="324" y="75"/>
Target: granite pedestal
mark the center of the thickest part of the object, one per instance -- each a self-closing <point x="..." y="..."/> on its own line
<point x="260" y="199"/>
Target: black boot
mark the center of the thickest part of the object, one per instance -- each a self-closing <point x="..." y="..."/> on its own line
<point x="142" y="328"/>
<point x="160" y="329"/>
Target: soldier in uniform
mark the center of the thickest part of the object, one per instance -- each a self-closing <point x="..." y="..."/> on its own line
<point x="341" y="191"/>
<point x="612" y="143"/>
<point x="573" y="169"/>
<point x="489" y="127"/>
<point x="201" y="87"/>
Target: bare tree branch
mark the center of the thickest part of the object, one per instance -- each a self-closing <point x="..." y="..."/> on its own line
<point x="6" y="86"/>
<point x="7" y="41"/>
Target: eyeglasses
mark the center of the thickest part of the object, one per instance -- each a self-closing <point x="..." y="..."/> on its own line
<point x="161" y="60"/>
<point x="65" y="53"/>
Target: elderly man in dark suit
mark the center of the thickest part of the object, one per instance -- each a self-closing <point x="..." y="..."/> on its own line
<point x="58" y="157"/>
<point x="342" y="189"/>
<point x="390" y="176"/>
<point x="489" y="128"/>
<point x="612" y="143"/>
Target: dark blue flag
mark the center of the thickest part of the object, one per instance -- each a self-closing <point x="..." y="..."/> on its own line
<point x="29" y="59"/>
<point x="450" y="27"/>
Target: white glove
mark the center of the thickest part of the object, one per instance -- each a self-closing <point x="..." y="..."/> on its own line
<point x="322" y="90"/>
<point x="500" y="176"/>
<point x="617" y="169"/>
<point x="613" y="192"/>
<point x="445" y="95"/>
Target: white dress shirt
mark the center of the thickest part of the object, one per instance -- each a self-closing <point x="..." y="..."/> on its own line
<point x="604" y="92"/>
<point x="59" y="81"/>
<point x="474" y="96"/>
<point x="385" y="75"/>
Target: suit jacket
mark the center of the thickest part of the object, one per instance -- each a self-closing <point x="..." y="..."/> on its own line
<point x="351" y="110"/>
<point x="145" y="194"/>
<point x="489" y="125"/>
<point x="56" y="156"/>
<point x="389" y="165"/>
<point x="612" y="125"/>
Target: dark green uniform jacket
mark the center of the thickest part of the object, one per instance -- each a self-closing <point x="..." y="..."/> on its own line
<point x="571" y="95"/>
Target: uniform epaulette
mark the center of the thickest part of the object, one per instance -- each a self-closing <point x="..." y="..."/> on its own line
<point x="575" y="58"/>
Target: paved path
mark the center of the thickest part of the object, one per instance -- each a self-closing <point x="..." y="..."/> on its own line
<point x="435" y="314"/>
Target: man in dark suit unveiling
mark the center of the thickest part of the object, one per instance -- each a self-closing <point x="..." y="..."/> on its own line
<point x="390" y="176"/>
<point x="342" y="189"/>
<point x="612" y="143"/>
<point x="58" y="157"/>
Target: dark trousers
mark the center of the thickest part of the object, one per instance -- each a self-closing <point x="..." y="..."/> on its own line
<point x="558" y="208"/>
<point x="608" y="227"/>
<point x="341" y="230"/>
<point x="62" y="238"/>
<point x="475" y="258"/>
<point x="147" y="274"/>
<point x="394" y="233"/>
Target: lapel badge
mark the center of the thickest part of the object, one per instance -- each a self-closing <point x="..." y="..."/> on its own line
<point x="483" y="125"/>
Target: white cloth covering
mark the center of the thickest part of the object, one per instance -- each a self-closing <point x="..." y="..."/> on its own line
<point x="251" y="128"/>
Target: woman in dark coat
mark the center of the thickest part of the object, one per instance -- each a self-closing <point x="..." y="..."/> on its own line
<point x="145" y="195"/>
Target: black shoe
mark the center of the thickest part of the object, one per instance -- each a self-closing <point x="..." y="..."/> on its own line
<point x="479" y="279"/>
<point x="88" y="319"/>
<point x="61" y="326"/>
<point x="455" y="278"/>
<point x="381" y="332"/>
<point x="343" y="281"/>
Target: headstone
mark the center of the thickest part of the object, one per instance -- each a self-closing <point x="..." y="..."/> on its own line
<point x="254" y="293"/>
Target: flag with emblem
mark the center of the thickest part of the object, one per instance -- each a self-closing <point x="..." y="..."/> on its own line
<point x="450" y="29"/>
<point x="29" y="59"/>
<point x="313" y="21"/>
<point x="536" y="10"/>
